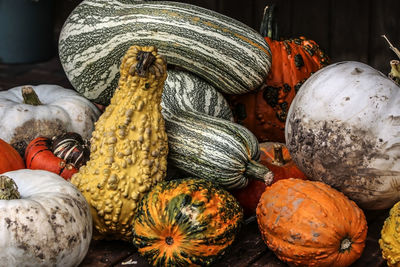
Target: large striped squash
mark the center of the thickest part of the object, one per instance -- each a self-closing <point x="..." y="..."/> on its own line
<point x="225" y="52"/>
<point x="186" y="222"/>
<point x="214" y="148"/>
<point x="187" y="91"/>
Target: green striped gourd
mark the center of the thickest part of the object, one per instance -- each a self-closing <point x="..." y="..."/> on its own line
<point x="225" y="52"/>
<point x="213" y="148"/>
<point x="184" y="90"/>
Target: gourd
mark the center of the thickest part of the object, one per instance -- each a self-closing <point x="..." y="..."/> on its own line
<point x="186" y="222"/>
<point x="264" y="111"/>
<point x="342" y="129"/>
<point x="309" y="223"/>
<point x="228" y="54"/>
<point x="27" y="112"/>
<point x="275" y="156"/>
<point x="63" y="154"/>
<point x="390" y="239"/>
<point x="213" y="148"/>
<point x="128" y="146"/>
<point x="45" y="220"/>
<point x="10" y="159"/>
<point x="185" y="90"/>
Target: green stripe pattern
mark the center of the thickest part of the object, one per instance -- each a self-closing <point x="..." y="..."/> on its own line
<point x="225" y="52"/>
<point x="211" y="148"/>
<point x="186" y="91"/>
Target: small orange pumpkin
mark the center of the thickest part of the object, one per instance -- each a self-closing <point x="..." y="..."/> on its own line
<point x="264" y="111"/>
<point x="10" y="159"/>
<point x="309" y="223"/>
<point x="276" y="157"/>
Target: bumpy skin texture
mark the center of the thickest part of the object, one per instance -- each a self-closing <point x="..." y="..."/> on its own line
<point x="308" y="223"/>
<point x="390" y="237"/>
<point x="128" y="148"/>
<point x="343" y="129"/>
<point x="50" y="225"/>
<point x="186" y="222"/>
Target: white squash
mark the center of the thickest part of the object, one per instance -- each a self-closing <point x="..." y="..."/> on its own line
<point x="49" y="225"/>
<point x="343" y="128"/>
<point x="61" y="110"/>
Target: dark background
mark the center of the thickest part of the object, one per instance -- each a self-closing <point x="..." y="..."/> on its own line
<point x="344" y="29"/>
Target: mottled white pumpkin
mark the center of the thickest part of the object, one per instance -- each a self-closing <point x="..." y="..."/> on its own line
<point x="61" y="110"/>
<point x="50" y="225"/>
<point x="343" y="128"/>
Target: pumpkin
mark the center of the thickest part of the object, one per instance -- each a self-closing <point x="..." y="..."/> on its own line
<point x="342" y="129"/>
<point x="226" y="53"/>
<point x="44" y="220"/>
<point x="275" y="156"/>
<point x="63" y="154"/>
<point x="390" y="237"/>
<point x="264" y="111"/>
<point x="27" y="112"/>
<point x="186" y="222"/>
<point x="128" y="146"/>
<point x="309" y="223"/>
<point x="10" y="159"/>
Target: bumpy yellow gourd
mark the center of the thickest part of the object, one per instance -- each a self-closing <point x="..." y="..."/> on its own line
<point x="390" y="237"/>
<point x="128" y="146"/>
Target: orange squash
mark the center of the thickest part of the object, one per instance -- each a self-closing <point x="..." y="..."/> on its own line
<point x="10" y="159"/>
<point x="264" y="111"/>
<point x="309" y="223"/>
<point x="276" y="157"/>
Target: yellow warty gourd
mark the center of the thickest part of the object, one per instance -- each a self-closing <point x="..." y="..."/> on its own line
<point x="390" y="237"/>
<point x="128" y="146"/>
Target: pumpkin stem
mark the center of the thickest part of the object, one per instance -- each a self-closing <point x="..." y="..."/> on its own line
<point x="258" y="171"/>
<point x="269" y="27"/>
<point x="395" y="64"/>
<point x="345" y="245"/>
<point x="30" y="96"/>
<point x="278" y="155"/>
<point x="8" y="188"/>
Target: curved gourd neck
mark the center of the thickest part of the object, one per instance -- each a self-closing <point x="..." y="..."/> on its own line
<point x="255" y="170"/>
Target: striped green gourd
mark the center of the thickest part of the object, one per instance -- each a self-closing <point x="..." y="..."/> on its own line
<point x="187" y="91"/>
<point x="225" y="52"/>
<point x="213" y="148"/>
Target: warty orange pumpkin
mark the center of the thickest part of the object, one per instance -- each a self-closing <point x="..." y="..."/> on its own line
<point x="264" y="111"/>
<point x="309" y="223"/>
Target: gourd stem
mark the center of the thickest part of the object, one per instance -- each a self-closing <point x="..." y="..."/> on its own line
<point x="394" y="64"/>
<point x="269" y="27"/>
<point x="345" y="245"/>
<point x="258" y="171"/>
<point x="8" y="188"/>
<point x="278" y="155"/>
<point x="145" y="60"/>
<point x="30" y="96"/>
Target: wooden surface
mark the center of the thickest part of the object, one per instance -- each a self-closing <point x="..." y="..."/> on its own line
<point x="248" y="250"/>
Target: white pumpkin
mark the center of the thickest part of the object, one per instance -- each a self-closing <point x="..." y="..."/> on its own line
<point x="61" y="110"/>
<point x="343" y="128"/>
<point x="50" y="225"/>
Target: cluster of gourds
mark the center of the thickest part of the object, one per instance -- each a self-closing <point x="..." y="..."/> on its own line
<point x="254" y="125"/>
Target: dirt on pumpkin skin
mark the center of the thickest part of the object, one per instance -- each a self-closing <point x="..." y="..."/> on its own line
<point x="31" y="129"/>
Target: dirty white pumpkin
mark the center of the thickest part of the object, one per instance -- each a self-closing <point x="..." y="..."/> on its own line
<point x="343" y="128"/>
<point x="60" y="110"/>
<point x="49" y="225"/>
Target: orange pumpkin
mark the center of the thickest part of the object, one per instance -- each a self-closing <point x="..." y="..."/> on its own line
<point x="276" y="157"/>
<point x="264" y="111"/>
<point x="10" y="159"/>
<point x="309" y="223"/>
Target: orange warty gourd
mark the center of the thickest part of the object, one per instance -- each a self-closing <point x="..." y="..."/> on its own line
<point x="264" y="111"/>
<point x="10" y="159"/>
<point x="309" y="223"/>
<point x="276" y="157"/>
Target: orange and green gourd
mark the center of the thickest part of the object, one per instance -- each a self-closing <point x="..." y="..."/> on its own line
<point x="186" y="222"/>
<point x="128" y="146"/>
<point x="264" y="111"/>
